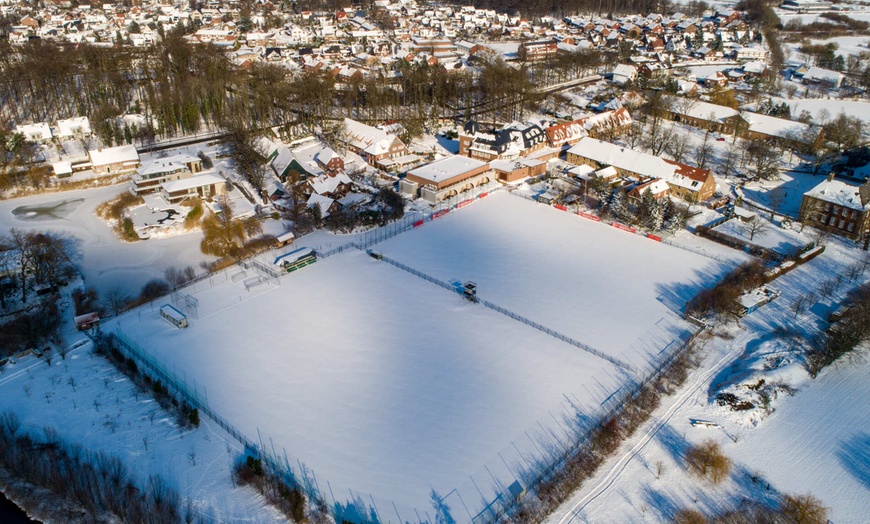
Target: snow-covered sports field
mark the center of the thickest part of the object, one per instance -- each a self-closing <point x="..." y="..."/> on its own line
<point x="392" y="387"/>
<point x="617" y="292"/>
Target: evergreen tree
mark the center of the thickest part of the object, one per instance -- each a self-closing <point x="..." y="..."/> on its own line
<point x="656" y="218"/>
<point x="615" y="205"/>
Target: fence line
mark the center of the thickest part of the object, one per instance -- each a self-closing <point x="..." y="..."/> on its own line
<point x="182" y="390"/>
<point x="560" y="336"/>
<point x="582" y="438"/>
<point x="534" y="472"/>
<point x="508" y="313"/>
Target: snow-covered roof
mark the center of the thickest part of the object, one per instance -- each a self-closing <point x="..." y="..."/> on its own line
<point x="780" y="127"/>
<point x="62" y="168"/>
<point x="324" y="184"/>
<point x="701" y="110"/>
<point x="623" y="158"/>
<point x="446" y="168"/>
<point x="285" y="237"/>
<point x="167" y="164"/>
<point x="114" y="155"/>
<point x="71" y="126"/>
<point x="324" y="202"/>
<point x="192" y="182"/>
<point x="841" y="194"/>
<point x="370" y="139"/>
<point x="823" y="75"/>
<point x="581" y="171"/>
<point x="39" y="130"/>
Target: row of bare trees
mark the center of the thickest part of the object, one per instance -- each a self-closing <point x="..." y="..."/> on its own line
<point x="96" y="482"/>
<point x="44" y="257"/>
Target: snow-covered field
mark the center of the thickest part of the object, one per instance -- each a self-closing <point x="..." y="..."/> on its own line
<point x="833" y="107"/>
<point x="388" y="387"/>
<point x="816" y="441"/>
<point x="90" y="404"/>
<point x="617" y="292"/>
<point x="375" y="379"/>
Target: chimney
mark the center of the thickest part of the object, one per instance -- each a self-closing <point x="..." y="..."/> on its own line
<point x="831" y="176"/>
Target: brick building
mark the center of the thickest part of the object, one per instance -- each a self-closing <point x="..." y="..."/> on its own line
<point x="838" y="207"/>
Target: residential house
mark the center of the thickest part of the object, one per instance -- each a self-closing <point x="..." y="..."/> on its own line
<point x="204" y="186"/>
<point x="508" y="143"/>
<point x="371" y="143"/>
<point x="114" y="160"/>
<point x="149" y="177"/>
<point x="624" y="74"/>
<point x="39" y="132"/>
<point x="685" y="182"/>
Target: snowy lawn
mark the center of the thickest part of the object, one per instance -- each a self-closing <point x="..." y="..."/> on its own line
<point x="789" y="189"/>
<point x="833" y="107"/>
<point x="379" y="381"/>
<point x="783" y="241"/>
<point x="617" y="292"/>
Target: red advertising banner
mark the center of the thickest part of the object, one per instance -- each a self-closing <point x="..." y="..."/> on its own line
<point x="560" y="207"/>
<point x="623" y="227"/>
<point x="418" y="223"/>
<point x="484" y="194"/>
<point x="464" y="203"/>
<point x="440" y="214"/>
<point x="654" y="237"/>
<point x="589" y="216"/>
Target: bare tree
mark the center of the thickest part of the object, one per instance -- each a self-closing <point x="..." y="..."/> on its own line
<point x="776" y="197"/>
<point x="762" y="160"/>
<point x="703" y="152"/>
<point x="707" y="460"/>
<point x="804" y="509"/>
<point x="802" y="302"/>
<point x="756" y="226"/>
<point x="679" y="146"/>
<point x="116" y="299"/>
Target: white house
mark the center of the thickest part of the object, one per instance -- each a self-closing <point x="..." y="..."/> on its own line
<point x="623" y="74"/>
<point x="74" y="127"/>
<point x="39" y="132"/>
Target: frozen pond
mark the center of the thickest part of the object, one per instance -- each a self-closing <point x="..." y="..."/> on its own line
<point x="49" y="211"/>
<point x="106" y="260"/>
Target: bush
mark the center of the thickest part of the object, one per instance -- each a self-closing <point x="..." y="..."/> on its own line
<point x="721" y="299"/>
<point x="689" y="516"/>
<point x="128" y="231"/>
<point x="804" y="509"/>
<point x="707" y="461"/>
<point x="194" y="215"/>
<point x="154" y="288"/>
<point x="114" y="209"/>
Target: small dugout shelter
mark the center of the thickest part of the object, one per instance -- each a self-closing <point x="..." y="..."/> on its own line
<point x="173" y="316"/>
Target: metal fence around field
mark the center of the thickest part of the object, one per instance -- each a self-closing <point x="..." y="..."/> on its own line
<point x="529" y="468"/>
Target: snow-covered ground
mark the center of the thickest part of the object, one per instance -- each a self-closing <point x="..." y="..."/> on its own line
<point x="833" y="107"/>
<point x="390" y="386"/>
<point x="579" y="277"/>
<point x="815" y="441"/>
<point x="107" y="261"/>
<point x="783" y="241"/>
<point x="375" y="379"/>
<point x="89" y="403"/>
